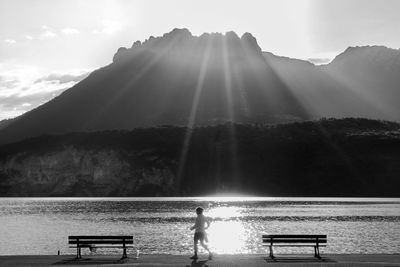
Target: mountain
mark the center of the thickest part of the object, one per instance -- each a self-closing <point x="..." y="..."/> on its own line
<point x="181" y="79"/>
<point x="338" y="158"/>
<point x="372" y="73"/>
<point x="175" y="79"/>
<point x="360" y="82"/>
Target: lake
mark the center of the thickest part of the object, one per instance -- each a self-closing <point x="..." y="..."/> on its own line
<point x="161" y="225"/>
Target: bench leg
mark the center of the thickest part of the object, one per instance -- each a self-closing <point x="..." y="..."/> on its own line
<point x="271" y="252"/>
<point x="124" y="256"/>
<point x="316" y="252"/>
<point x="78" y="253"/>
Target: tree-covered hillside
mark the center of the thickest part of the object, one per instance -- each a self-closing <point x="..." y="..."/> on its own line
<point x="347" y="157"/>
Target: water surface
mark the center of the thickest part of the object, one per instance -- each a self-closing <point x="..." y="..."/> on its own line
<point x="161" y="225"/>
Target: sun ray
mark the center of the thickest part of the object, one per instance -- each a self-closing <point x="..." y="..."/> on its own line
<point x="230" y="107"/>
<point x="305" y="104"/>
<point x="308" y="103"/>
<point x="253" y="66"/>
<point x="227" y="80"/>
<point x="380" y="108"/>
<point x="261" y="65"/>
<point x="193" y="111"/>
<point x="157" y="57"/>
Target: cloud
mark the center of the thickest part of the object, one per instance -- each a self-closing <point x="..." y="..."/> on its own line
<point x="14" y="105"/>
<point x="10" y="41"/>
<point x="48" y="34"/>
<point x="7" y="82"/>
<point x="63" y="78"/>
<point x="25" y="88"/>
<point x="109" y="27"/>
<point x="18" y="102"/>
<point x="70" y="31"/>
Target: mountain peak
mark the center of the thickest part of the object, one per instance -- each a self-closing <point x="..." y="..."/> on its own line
<point x="231" y="34"/>
<point x="176" y="32"/>
<point x="182" y="39"/>
<point x="371" y="49"/>
<point x="368" y="52"/>
<point x="251" y="42"/>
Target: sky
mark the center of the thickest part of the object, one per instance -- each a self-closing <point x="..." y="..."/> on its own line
<point x="47" y="46"/>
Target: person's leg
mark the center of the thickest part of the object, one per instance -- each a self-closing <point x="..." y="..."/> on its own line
<point x="205" y="246"/>
<point x="195" y="246"/>
<point x="195" y="241"/>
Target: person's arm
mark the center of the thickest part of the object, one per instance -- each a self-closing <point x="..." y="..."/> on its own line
<point x="208" y="222"/>
<point x="194" y="226"/>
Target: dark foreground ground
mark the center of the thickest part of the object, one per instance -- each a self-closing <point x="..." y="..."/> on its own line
<point x="219" y="260"/>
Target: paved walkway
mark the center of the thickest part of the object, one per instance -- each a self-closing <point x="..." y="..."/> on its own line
<point x="219" y="260"/>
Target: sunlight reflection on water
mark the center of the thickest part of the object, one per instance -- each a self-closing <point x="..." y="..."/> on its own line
<point x="224" y="212"/>
<point x="227" y="237"/>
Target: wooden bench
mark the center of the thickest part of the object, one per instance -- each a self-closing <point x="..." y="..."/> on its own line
<point x="94" y="242"/>
<point x="315" y="241"/>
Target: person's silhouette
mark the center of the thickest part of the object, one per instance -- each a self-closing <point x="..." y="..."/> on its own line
<point x="200" y="226"/>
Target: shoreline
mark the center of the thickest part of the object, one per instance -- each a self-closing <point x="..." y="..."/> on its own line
<point x="226" y="198"/>
<point x="248" y="260"/>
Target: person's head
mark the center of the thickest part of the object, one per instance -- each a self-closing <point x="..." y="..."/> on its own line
<point x="199" y="210"/>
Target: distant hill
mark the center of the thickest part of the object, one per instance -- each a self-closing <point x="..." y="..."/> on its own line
<point x="347" y="157"/>
<point x="360" y="82"/>
<point x="180" y="79"/>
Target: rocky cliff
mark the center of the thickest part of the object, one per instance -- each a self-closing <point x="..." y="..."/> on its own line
<point x="80" y="172"/>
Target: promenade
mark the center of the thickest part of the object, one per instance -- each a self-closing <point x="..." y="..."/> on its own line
<point x="219" y="260"/>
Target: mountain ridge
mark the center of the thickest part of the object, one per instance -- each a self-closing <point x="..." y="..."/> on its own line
<point x="181" y="79"/>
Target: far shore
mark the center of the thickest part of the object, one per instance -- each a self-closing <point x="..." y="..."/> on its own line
<point x="218" y="260"/>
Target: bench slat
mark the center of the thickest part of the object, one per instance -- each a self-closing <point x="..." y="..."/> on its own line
<point x="100" y="237"/>
<point x="294" y="241"/>
<point x="300" y="245"/>
<point x="94" y="240"/>
<point x="99" y="242"/>
<point x="294" y="236"/>
<point x="127" y="247"/>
